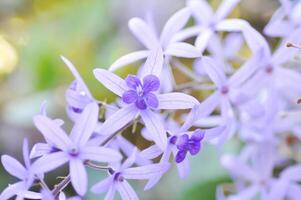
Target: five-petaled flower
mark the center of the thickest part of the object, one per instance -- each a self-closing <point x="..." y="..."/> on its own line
<point x="73" y="149"/>
<point x="26" y="174"/>
<point x="140" y="99"/>
<point x="119" y="173"/>
<point x="142" y="93"/>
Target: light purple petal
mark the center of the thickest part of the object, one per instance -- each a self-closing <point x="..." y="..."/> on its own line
<point x="186" y="34"/>
<point x="176" y="100"/>
<point x="143" y="32"/>
<point x="175" y="23"/>
<point x="103" y="185"/>
<point x="292" y="173"/>
<point x="201" y="10"/>
<point x="202" y="110"/>
<point x="294" y="192"/>
<point x="296" y="13"/>
<point x="214" y="71"/>
<point x="213" y="133"/>
<point x="247" y="70"/>
<point x="49" y="162"/>
<point x="26" y="153"/>
<point x="111" y="193"/>
<point x="156" y="177"/>
<point x="40" y="149"/>
<point x="31" y="195"/>
<point x="225" y="9"/>
<point x="154" y="63"/>
<point x="153" y="181"/>
<point x="128" y="59"/>
<point x="47" y="195"/>
<point x="233" y="42"/>
<point x="155" y="127"/>
<point x="85" y="124"/>
<point x="12" y="190"/>
<point x="111" y="81"/>
<point x="203" y="39"/>
<point x="182" y="50"/>
<point x="77" y="76"/>
<point x="278" y="28"/>
<point x="14" y="167"/>
<point x="283" y="54"/>
<point x="253" y="38"/>
<point x="145" y="172"/>
<point x="118" y="120"/>
<point x="77" y="99"/>
<point x="151" y="152"/>
<point x="130" y="160"/>
<point x="238" y="169"/>
<point x="79" y="177"/>
<point x="278" y="190"/>
<point x="126" y="191"/>
<point x="127" y="148"/>
<point x="289" y="78"/>
<point x="287" y="6"/>
<point x="100" y="154"/>
<point x="52" y="132"/>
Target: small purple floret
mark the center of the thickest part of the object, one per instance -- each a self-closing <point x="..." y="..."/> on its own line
<point x="192" y="145"/>
<point x="141" y="93"/>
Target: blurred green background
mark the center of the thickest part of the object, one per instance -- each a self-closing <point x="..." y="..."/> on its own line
<point x="91" y="33"/>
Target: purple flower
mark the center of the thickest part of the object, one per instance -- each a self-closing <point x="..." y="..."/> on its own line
<point x="287" y="185"/>
<point x="26" y="174"/>
<point x="73" y="149"/>
<point x="179" y="144"/>
<point x="285" y="20"/>
<point x="252" y="171"/>
<point x="207" y="21"/>
<point x="272" y="74"/>
<point x="78" y="95"/>
<point x="164" y="45"/>
<point x="228" y="94"/>
<point x="142" y="93"/>
<point x="142" y="106"/>
<point x="118" y="176"/>
<point x="188" y="144"/>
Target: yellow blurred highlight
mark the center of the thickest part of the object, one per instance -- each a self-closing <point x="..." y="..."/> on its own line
<point x="8" y="56"/>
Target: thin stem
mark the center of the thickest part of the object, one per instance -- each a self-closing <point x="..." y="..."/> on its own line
<point x="88" y="163"/>
<point x="185" y="70"/>
<point x="194" y="86"/>
<point x="62" y="185"/>
<point x="43" y="184"/>
<point x="289" y="44"/>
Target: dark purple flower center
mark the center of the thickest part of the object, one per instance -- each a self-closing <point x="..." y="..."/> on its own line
<point x="76" y="110"/>
<point x="269" y="69"/>
<point x="142" y="93"/>
<point x="118" y="177"/>
<point x="225" y="90"/>
<point x="74" y="152"/>
<point x="185" y="144"/>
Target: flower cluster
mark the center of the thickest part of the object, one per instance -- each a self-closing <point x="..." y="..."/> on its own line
<point x="227" y="96"/>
